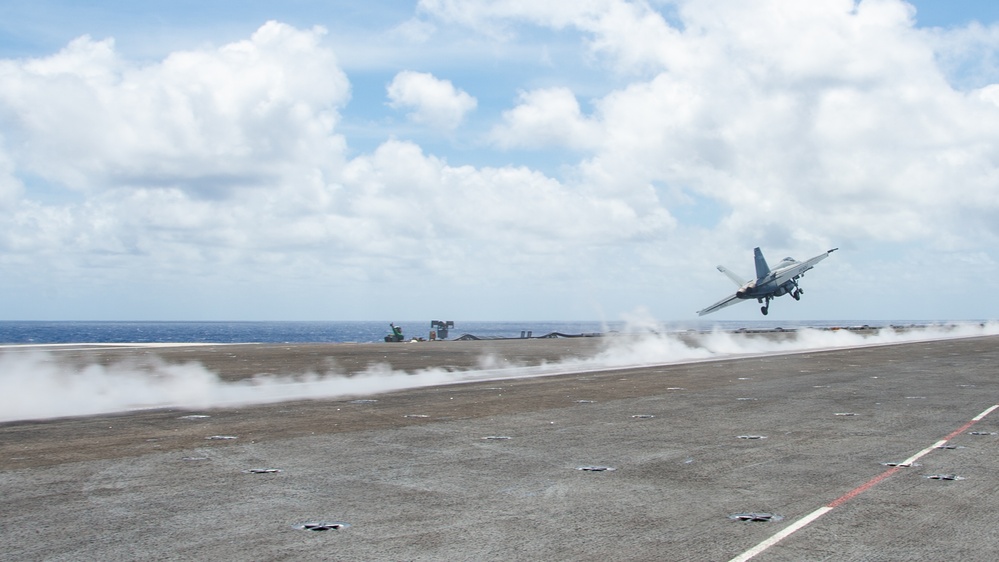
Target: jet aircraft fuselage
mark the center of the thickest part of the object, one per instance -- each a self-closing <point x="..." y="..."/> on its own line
<point x="769" y="283"/>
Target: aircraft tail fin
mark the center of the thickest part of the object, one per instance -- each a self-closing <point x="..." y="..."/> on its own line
<point x="739" y="281"/>
<point x="762" y="269"/>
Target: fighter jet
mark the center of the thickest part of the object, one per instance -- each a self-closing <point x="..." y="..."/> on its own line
<point x="769" y="283"/>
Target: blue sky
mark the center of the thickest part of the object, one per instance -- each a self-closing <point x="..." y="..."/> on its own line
<point x="495" y="160"/>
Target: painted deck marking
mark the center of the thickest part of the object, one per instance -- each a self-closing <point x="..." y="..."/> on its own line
<point x="863" y="488"/>
<point x="782" y="534"/>
<point x="806" y="520"/>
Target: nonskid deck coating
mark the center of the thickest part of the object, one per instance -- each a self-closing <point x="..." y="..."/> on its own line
<point x="432" y="488"/>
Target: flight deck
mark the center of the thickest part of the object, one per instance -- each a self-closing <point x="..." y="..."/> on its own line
<point x="867" y="453"/>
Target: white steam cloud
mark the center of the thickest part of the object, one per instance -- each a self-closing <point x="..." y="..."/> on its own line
<point x="36" y="385"/>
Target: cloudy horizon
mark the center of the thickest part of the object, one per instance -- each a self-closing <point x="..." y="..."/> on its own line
<point x="496" y="160"/>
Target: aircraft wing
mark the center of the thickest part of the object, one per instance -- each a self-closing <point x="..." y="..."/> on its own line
<point x="728" y="301"/>
<point x="797" y="270"/>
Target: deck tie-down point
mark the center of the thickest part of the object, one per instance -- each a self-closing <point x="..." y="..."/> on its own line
<point x="322" y="526"/>
<point x="757" y="517"/>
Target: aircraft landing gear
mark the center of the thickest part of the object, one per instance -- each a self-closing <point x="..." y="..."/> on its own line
<point x="797" y="292"/>
<point x="765" y="308"/>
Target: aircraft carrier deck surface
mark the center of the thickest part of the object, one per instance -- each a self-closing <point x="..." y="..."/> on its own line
<point x="784" y="457"/>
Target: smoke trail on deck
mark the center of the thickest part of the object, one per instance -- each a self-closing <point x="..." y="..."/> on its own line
<point x="36" y="385"/>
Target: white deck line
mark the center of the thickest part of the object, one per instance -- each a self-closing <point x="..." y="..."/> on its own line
<point x="806" y="520"/>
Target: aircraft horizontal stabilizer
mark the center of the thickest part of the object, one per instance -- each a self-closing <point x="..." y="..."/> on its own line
<point x="737" y="279"/>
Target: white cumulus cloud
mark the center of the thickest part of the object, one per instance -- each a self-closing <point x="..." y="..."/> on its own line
<point x="788" y="114"/>
<point x="547" y="117"/>
<point x="661" y="139"/>
<point x="431" y="101"/>
<point x="205" y="120"/>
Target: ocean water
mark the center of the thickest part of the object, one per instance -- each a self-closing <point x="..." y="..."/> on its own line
<point x="42" y="332"/>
